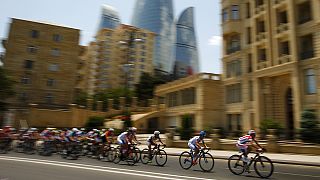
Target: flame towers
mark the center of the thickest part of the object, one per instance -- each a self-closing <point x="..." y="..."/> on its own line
<point x="157" y="16"/>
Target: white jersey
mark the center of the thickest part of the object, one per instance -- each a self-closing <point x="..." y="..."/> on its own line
<point x="194" y="140"/>
<point x="123" y="136"/>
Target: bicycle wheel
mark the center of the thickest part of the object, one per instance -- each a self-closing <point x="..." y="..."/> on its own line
<point x="235" y="164"/>
<point x="161" y="157"/>
<point x="206" y="162"/>
<point x="138" y="153"/>
<point x="263" y="166"/>
<point x="117" y="156"/>
<point x="185" y="160"/>
<point x="132" y="157"/>
<point x="110" y="154"/>
<point x="145" y="156"/>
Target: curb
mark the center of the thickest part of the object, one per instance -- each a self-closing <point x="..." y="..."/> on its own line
<point x="276" y="161"/>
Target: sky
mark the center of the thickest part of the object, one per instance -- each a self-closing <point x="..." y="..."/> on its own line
<point x="85" y="14"/>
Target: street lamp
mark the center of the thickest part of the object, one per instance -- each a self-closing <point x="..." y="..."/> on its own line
<point x="128" y="65"/>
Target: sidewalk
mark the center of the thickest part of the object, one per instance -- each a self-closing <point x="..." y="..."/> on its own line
<point x="297" y="159"/>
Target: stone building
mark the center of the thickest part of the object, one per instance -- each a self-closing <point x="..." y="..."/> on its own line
<point x="271" y="55"/>
<point x="200" y="96"/>
<point x="42" y="59"/>
<point x="118" y="57"/>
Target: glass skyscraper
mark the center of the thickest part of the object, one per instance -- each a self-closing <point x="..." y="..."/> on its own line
<point x="187" y="60"/>
<point x="157" y="16"/>
<point x="109" y="18"/>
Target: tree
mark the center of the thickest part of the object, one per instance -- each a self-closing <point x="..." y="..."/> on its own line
<point x="310" y="130"/>
<point x="270" y="124"/>
<point x="95" y="122"/>
<point x="145" y="88"/>
<point x="6" y="89"/>
<point x="186" y="129"/>
<point x="81" y="98"/>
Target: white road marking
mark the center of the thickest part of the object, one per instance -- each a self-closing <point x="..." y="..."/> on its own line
<point x="102" y="168"/>
<point x="305" y="175"/>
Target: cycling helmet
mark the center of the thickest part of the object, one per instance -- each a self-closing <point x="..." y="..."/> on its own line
<point x="75" y="129"/>
<point x="156" y="133"/>
<point x="202" y="133"/>
<point x="111" y="129"/>
<point x="134" y="129"/>
<point x="251" y="132"/>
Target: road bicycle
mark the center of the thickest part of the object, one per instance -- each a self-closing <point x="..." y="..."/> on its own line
<point x="206" y="160"/>
<point x="158" y="153"/>
<point x="131" y="156"/>
<point x="263" y="166"/>
<point x="107" y="152"/>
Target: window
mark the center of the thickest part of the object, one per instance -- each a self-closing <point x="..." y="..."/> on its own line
<point x="188" y="96"/>
<point x="49" y="98"/>
<point x="53" y="67"/>
<point x="234" y="122"/>
<point x="224" y="15"/>
<point x="310" y="80"/>
<point x="262" y="56"/>
<point x="57" y="37"/>
<point x="25" y="80"/>
<point x="141" y="66"/>
<point x="259" y="2"/>
<point x="32" y="49"/>
<point x="28" y="64"/>
<point x="284" y="48"/>
<point x="172" y="99"/>
<point x="282" y="17"/>
<point x="235" y="12"/>
<point x="233" y="44"/>
<point x="248" y="10"/>
<point x="249" y="63"/>
<point x="233" y="94"/>
<point x="34" y="33"/>
<point x="142" y="60"/>
<point x="55" y="52"/>
<point x="234" y="68"/>
<point x="143" y="53"/>
<point x="250" y="90"/>
<point x="304" y="12"/>
<point x="248" y="35"/>
<point x="50" y="82"/>
<point x="260" y="26"/>
<point x="306" y="47"/>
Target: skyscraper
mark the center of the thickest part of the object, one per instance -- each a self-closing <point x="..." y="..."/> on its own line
<point x="157" y="16"/>
<point x="187" y="60"/>
<point x="109" y="18"/>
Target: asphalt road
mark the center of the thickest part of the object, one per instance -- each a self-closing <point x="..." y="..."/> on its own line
<point x="14" y="166"/>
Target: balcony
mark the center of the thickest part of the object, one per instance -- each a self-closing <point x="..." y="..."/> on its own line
<point x="231" y="26"/>
<point x="233" y="49"/>
<point x="283" y="27"/>
<point x="262" y="65"/>
<point x="277" y="2"/>
<point x="306" y="55"/>
<point x="284" y="59"/>
<point x="261" y="36"/>
<point x="260" y="9"/>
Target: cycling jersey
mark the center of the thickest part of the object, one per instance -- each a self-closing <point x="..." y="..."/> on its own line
<point x="152" y="138"/>
<point x="194" y="140"/>
<point x="122" y="138"/>
<point x="244" y="140"/>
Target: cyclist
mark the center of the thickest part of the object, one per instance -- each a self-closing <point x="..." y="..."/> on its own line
<point x="133" y="137"/>
<point x="151" y="141"/>
<point x="123" y="140"/>
<point x="245" y="142"/>
<point x="194" y="144"/>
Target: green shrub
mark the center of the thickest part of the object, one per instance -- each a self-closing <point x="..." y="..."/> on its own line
<point x="270" y="124"/>
<point x="310" y="130"/>
<point x="186" y="130"/>
<point x="95" y="122"/>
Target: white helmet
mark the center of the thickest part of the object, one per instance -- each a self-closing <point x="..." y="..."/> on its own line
<point x="111" y="129"/>
<point x="156" y="132"/>
<point x="134" y="129"/>
<point x="75" y="129"/>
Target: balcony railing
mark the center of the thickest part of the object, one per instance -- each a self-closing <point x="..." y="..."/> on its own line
<point x="262" y="65"/>
<point x="261" y="36"/>
<point x="306" y="54"/>
<point x="260" y="9"/>
<point x="284" y="59"/>
<point x="233" y="49"/>
<point x="282" y="27"/>
<point x="278" y="1"/>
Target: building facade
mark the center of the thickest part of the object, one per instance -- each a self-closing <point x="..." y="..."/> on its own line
<point x="199" y="96"/>
<point x="271" y="55"/>
<point x="118" y="57"/>
<point x="158" y="17"/>
<point x="187" y="58"/>
<point x="43" y="60"/>
<point x="109" y="18"/>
